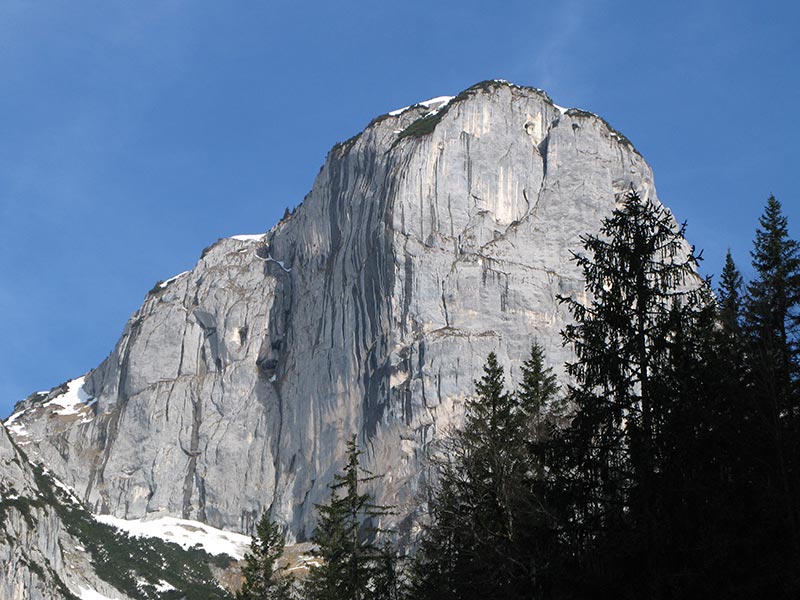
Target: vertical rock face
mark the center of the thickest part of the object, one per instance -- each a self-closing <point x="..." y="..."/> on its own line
<point x="28" y="534"/>
<point x="39" y="558"/>
<point x="440" y="233"/>
<point x="52" y="547"/>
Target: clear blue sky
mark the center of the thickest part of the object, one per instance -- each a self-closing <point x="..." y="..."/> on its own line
<point x="133" y="134"/>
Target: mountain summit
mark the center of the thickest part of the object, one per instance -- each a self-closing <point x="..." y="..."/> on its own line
<point x="439" y="234"/>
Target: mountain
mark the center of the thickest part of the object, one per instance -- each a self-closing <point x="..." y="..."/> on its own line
<point x="440" y="233"/>
<point x="52" y="547"/>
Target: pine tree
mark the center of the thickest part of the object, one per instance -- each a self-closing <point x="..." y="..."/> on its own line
<point x="729" y="349"/>
<point x="541" y="413"/>
<point x="483" y="514"/>
<point x="640" y="274"/>
<point x="350" y="558"/>
<point x="386" y="576"/>
<point x="263" y="578"/>
<point x="441" y="566"/>
<point x="537" y="391"/>
<point x="730" y="298"/>
<point x="771" y="321"/>
<point x="772" y="306"/>
<point x="454" y="560"/>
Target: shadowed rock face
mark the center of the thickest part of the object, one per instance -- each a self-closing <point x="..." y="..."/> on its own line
<point x="370" y="310"/>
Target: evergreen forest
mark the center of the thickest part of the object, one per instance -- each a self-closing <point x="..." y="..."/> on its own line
<point x="669" y="467"/>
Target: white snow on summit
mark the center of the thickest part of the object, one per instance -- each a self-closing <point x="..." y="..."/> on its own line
<point x="439" y="102"/>
<point x="183" y="532"/>
<point x="249" y="237"/>
<point x="164" y="284"/>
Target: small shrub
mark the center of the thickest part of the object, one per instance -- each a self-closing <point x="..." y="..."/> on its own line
<point x="577" y="112"/>
<point x="344" y="147"/>
<point x="378" y="119"/>
<point x="23" y="505"/>
<point x="132" y="565"/>
<point x="207" y="249"/>
<point x="156" y="288"/>
<point x="422" y="126"/>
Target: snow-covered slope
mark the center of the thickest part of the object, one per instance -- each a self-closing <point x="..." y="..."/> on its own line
<point x="183" y="532"/>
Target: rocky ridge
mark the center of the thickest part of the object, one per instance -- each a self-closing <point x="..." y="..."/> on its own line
<point x="440" y="233"/>
<point x="51" y="547"/>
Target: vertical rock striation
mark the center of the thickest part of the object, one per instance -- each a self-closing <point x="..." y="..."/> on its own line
<point x="440" y="233"/>
<point x="39" y="558"/>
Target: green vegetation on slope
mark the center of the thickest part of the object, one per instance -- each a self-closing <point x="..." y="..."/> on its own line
<point x="136" y="566"/>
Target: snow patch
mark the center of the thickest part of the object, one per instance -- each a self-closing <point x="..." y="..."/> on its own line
<point x="439" y="102"/>
<point x="561" y="109"/>
<point x="65" y="488"/>
<point x="183" y="532"/>
<point x="72" y="400"/>
<point x="249" y="237"/>
<point x="164" y="284"/>
<point x="306" y="561"/>
<point x="13" y="418"/>
<point x="18" y="429"/>
<point x="90" y="594"/>
<point x="277" y="262"/>
<point x="164" y="586"/>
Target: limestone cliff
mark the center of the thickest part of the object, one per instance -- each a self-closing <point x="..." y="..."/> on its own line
<point x="440" y="233"/>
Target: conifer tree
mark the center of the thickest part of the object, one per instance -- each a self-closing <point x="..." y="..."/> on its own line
<point x="483" y="512"/>
<point x="773" y="297"/>
<point x="264" y="579"/>
<point x="772" y="306"/>
<point x="771" y="321"/>
<point x="386" y="575"/>
<point x="350" y="557"/>
<point x="541" y="412"/>
<point x="437" y="569"/>
<point x="730" y="298"/>
<point x="640" y="274"/>
<point x="536" y="393"/>
<point x="729" y="359"/>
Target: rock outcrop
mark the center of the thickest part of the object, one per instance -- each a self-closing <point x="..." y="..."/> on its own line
<point x="39" y="558"/>
<point x="440" y="233"/>
<point x="52" y="547"/>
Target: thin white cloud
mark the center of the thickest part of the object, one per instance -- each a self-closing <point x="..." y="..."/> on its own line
<point x="553" y="56"/>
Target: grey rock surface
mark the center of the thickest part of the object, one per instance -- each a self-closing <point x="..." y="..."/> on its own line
<point x="39" y="559"/>
<point x="370" y="311"/>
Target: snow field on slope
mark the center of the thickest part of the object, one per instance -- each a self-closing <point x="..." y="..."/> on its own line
<point x="183" y="532"/>
<point x="69" y="401"/>
<point x="90" y="594"/>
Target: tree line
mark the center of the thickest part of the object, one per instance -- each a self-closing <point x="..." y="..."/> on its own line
<point x="669" y="467"/>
